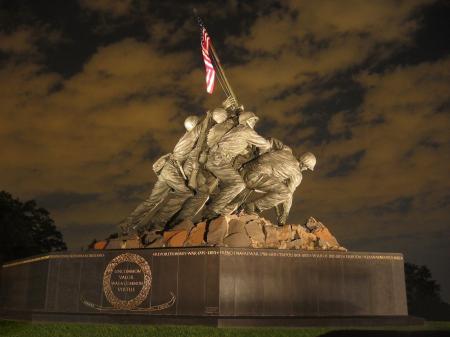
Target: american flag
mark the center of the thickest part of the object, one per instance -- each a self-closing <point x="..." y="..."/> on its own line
<point x="210" y="72"/>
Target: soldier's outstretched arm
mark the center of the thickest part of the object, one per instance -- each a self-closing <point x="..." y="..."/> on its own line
<point x="253" y="138"/>
<point x="276" y="144"/>
<point x="294" y="181"/>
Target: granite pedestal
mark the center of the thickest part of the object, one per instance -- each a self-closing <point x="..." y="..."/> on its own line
<point x="208" y="285"/>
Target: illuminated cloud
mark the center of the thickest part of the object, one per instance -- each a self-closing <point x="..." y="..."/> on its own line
<point x="20" y="41"/>
<point x="23" y="41"/>
<point x="112" y="7"/>
<point x="103" y="120"/>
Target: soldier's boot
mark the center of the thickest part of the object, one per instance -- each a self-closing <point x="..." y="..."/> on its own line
<point x="250" y="208"/>
<point x="125" y="226"/>
<point x="191" y="208"/>
<point x="208" y="214"/>
<point x="282" y="218"/>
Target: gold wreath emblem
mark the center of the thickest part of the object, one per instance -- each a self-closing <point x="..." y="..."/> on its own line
<point x="134" y="302"/>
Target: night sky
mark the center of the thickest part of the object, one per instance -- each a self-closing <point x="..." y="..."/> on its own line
<point x="92" y="92"/>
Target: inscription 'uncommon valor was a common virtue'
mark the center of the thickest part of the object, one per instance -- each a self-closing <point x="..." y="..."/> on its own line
<point x="127" y="282"/>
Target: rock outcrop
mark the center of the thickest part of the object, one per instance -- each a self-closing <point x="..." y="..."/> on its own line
<point x="237" y="230"/>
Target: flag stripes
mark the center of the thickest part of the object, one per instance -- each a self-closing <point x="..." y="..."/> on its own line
<point x="210" y="72"/>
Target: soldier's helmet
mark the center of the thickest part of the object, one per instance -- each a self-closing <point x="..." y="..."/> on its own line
<point x="219" y="115"/>
<point x="308" y="160"/>
<point x="247" y="117"/>
<point x="191" y="122"/>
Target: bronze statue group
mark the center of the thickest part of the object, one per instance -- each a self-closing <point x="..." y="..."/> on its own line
<point x="221" y="165"/>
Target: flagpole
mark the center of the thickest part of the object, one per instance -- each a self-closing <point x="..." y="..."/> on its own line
<point x="222" y="72"/>
<point x="220" y="78"/>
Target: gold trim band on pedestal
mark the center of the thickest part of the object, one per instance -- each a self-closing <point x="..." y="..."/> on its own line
<point x="52" y="257"/>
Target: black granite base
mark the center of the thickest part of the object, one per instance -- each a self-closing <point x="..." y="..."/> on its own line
<point x="367" y="321"/>
<point x="210" y="286"/>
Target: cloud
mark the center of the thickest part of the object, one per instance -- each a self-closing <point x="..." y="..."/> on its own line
<point x="309" y="27"/>
<point x="401" y="204"/>
<point x="25" y="40"/>
<point x="401" y="109"/>
<point x="382" y="21"/>
<point x="347" y="164"/>
<point x="95" y="128"/>
<point x="59" y="200"/>
<point x="20" y="41"/>
<point x="303" y="43"/>
<point x="115" y="8"/>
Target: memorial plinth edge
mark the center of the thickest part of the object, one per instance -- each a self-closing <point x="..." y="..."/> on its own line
<point x="208" y="285"/>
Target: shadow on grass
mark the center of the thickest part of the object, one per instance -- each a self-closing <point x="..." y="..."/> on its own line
<point x="385" y="333"/>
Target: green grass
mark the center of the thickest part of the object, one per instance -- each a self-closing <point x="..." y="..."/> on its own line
<point x="23" y="329"/>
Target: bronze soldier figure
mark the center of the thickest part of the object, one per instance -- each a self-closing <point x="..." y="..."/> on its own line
<point x="276" y="174"/>
<point x="237" y="141"/>
<point x="206" y="182"/>
<point x="171" y="180"/>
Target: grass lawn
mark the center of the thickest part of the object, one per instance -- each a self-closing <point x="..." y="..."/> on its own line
<point x="23" y="329"/>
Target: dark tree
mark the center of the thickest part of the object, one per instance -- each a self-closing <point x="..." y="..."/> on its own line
<point x="423" y="293"/>
<point x="26" y="229"/>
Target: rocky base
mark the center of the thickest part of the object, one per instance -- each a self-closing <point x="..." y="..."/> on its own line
<point x="237" y="230"/>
